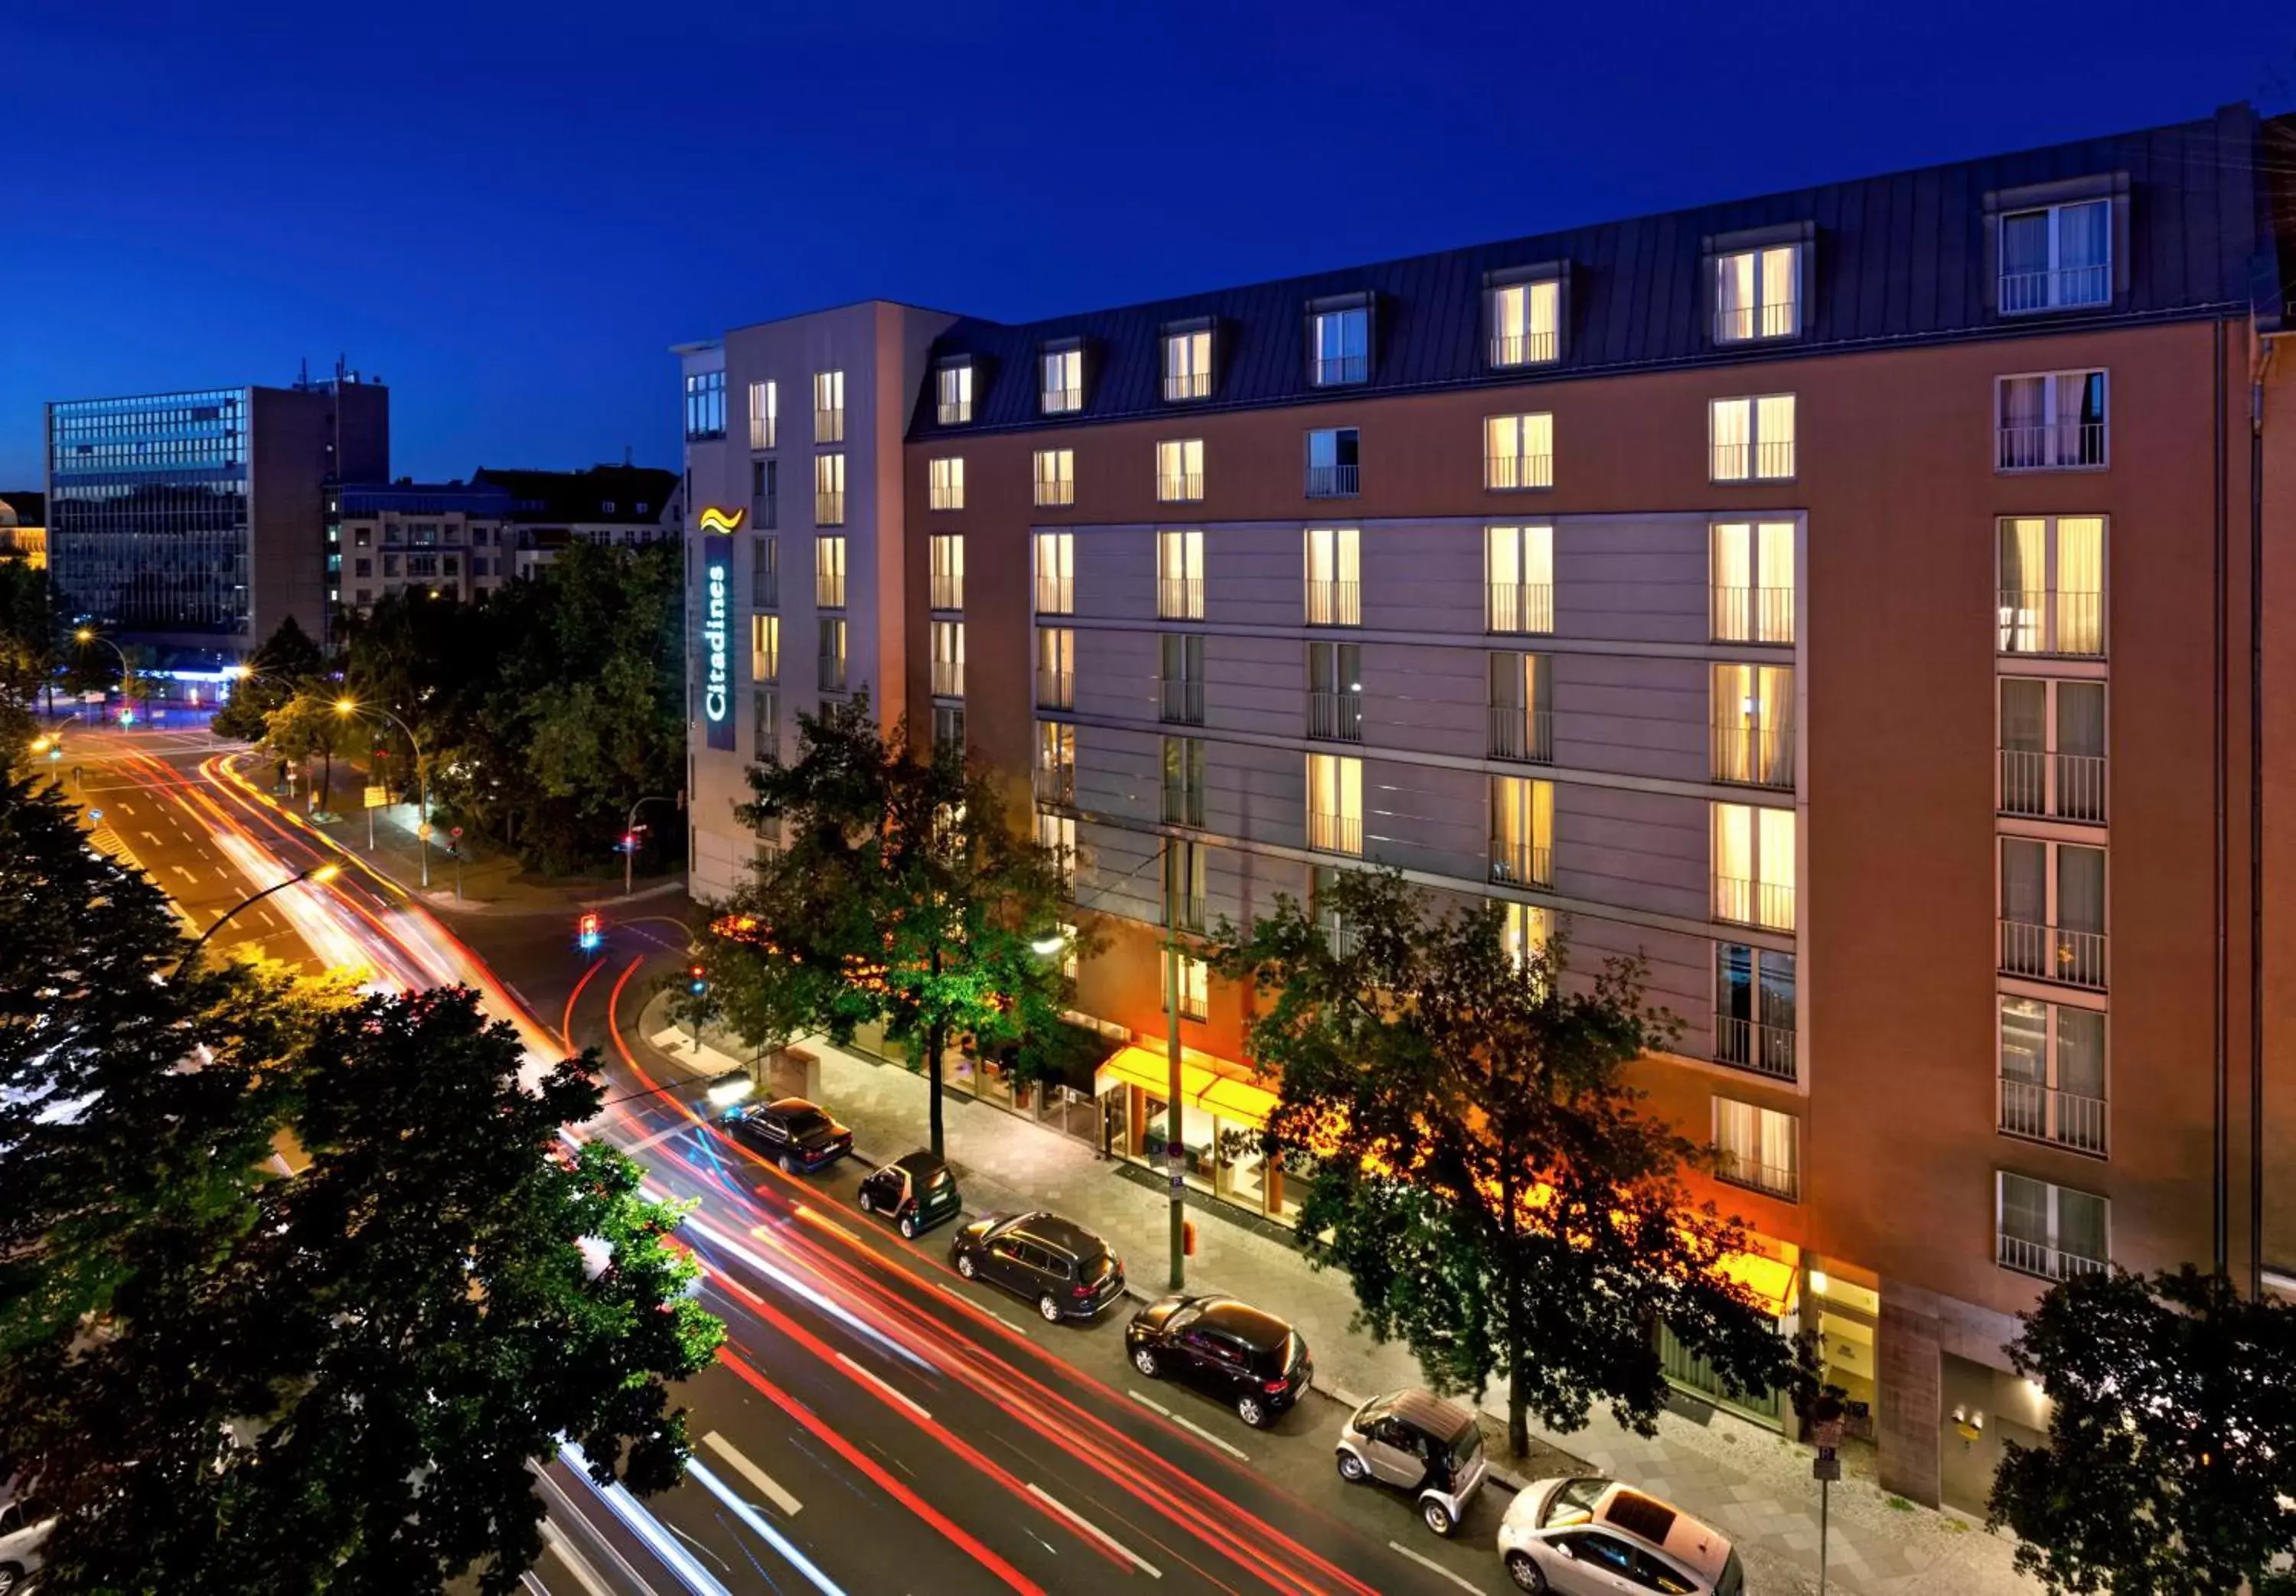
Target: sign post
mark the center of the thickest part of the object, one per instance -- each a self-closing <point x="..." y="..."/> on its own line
<point x="1825" y="1468"/>
<point x="455" y="846"/>
<point x="377" y="796"/>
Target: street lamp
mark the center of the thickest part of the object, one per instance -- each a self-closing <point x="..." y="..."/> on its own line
<point x="346" y="706"/>
<point x="88" y="634"/>
<point x="316" y="872"/>
<point x="630" y="834"/>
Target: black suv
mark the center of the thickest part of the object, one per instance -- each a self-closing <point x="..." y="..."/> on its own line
<point x="1231" y="1349"/>
<point x="915" y="1192"/>
<point x="1063" y="1268"/>
<point x="792" y="1132"/>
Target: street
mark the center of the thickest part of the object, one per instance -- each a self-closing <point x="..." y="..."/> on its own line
<point x="874" y="1424"/>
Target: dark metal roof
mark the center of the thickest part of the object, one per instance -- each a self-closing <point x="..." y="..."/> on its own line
<point x="601" y="494"/>
<point x="1898" y="258"/>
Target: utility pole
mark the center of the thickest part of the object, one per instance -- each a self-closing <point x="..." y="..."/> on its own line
<point x="1175" y="1152"/>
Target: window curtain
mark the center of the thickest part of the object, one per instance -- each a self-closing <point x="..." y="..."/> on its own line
<point x="1542" y="303"/>
<point x="2080" y="1051"/>
<point x="1777" y="990"/>
<point x="2025" y="1041"/>
<point x="1733" y="424"/>
<point x="2023" y="714"/>
<point x="2024" y="1209"/>
<point x="2082" y="234"/>
<point x="1733" y="862"/>
<point x="1734" y="580"/>
<point x="1734" y="296"/>
<point x="2080" y="718"/>
<point x="2080" y="584"/>
<point x="1776" y="846"/>
<point x="1780" y="292"/>
<point x="2024" y="881"/>
<point x="2024" y="245"/>
<point x="1735" y="708"/>
<point x="2080" y="1225"/>
<point x="1773" y="428"/>
<point x="1511" y="312"/>
<point x="2024" y="583"/>
<point x="2080" y="889"/>
<point x="1734" y="981"/>
<point x="1774" y="714"/>
<point x="1774" y="572"/>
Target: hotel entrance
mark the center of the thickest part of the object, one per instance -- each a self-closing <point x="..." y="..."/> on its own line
<point x="1223" y="1108"/>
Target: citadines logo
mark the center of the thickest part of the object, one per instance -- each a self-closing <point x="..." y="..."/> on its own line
<point x="716" y="605"/>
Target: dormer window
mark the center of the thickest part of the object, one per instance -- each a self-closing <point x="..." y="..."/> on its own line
<point x="1188" y="361"/>
<point x="1063" y="379"/>
<point x="1339" y="341"/>
<point x="1524" y="311"/>
<point x="2056" y="257"/>
<point x="1757" y="294"/>
<point x="953" y="393"/>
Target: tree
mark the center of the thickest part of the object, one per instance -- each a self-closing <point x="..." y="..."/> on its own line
<point x="284" y="663"/>
<point x="2170" y="1466"/>
<point x="309" y="726"/>
<point x="902" y="892"/>
<point x="1495" y="1190"/>
<point x="27" y="653"/>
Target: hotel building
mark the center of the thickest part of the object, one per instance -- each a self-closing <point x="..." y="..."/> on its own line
<point x="1842" y="599"/>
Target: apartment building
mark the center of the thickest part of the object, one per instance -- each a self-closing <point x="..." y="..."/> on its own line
<point x="1839" y="598"/>
<point x="444" y="540"/>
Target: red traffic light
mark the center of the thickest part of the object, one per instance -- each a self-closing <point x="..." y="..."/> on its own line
<point x="588" y="926"/>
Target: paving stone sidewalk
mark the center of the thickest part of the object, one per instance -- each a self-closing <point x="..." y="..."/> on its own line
<point x="1750" y="1483"/>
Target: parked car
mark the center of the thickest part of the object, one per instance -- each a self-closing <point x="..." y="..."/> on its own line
<point x="1063" y="1268"/>
<point x="1431" y="1448"/>
<point x="1247" y="1358"/>
<point x="915" y="1192"/>
<point x="24" y="1527"/>
<point x="1595" y="1537"/>
<point x="792" y="1132"/>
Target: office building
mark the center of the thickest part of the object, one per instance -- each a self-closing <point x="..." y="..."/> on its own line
<point x="1841" y="599"/>
<point x="187" y="526"/>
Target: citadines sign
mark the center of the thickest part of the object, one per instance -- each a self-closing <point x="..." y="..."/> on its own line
<point x="716" y="625"/>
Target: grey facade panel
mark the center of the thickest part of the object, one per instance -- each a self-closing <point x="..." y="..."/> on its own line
<point x="1638" y="851"/>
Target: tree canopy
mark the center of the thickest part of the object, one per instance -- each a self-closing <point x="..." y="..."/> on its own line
<point x="283" y="665"/>
<point x="1496" y="1193"/>
<point x="2170" y="1467"/>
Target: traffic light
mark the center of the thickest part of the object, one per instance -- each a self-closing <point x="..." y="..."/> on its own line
<point x="629" y="842"/>
<point x="698" y="980"/>
<point x="587" y="929"/>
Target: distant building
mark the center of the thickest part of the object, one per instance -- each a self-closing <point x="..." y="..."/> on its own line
<point x="187" y="526"/>
<point x="24" y="528"/>
<point x="450" y="540"/>
<point x="612" y="504"/>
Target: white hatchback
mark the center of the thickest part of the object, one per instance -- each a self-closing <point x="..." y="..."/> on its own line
<point x="1597" y="1537"/>
<point x="24" y="1527"/>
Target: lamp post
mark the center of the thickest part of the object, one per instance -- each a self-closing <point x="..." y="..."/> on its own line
<point x="422" y="774"/>
<point x="88" y="634"/>
<point x="316" y="872"/>
<point x="630" y="837"/>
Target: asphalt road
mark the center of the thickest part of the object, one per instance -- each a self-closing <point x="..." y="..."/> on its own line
<point x="875" y="1424"/>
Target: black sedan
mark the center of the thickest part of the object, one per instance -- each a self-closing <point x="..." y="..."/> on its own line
<point x="1249" y="1359"/>
<point x="792" y="1132"/>
<point x="915" y="1192"/>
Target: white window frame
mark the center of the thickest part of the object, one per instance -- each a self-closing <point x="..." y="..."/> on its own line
<point x="1763" y="1123"/>
<point x="1522" y="605"/>
<point x="2052" y="924"/>
<point x="945" y="482"/>
<point x="1510" y="465"/>
<point x="1533" y="308"/>
<point x="2053" y="1246"/>
<point x="829" y="407"/>
<point x="1179" y="471"/>
<point x="1055" y="479"/>
<point x="953" y="393"/>
<point x="2051" y="1081"/>
<point x="765" y="413"/>
<point x="1763" y="456"/>
<point x="1762" y="319"/>
<point x="1351" y="370"/>
<point x="1060" y="380"/>
<point x="1333" y="572"/>
<point x="1055" y="573"/>
<point x="1771" y="896"/>
<point x="1195" y="986"/>
<point x="944" y="566"/>
<point x="2045" y="632"/>
<point x="2049" y="450"/>
<point x="2054" y="274"/>
<point x="1338" y="830"/>
<point x="1765" y="614"/>
<point x="1179" y="574"/>
<point x="1187" y="365"/>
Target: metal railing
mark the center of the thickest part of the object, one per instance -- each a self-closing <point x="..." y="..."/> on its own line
<point x="944" y="495"/>
<point x="948" y="590"/>
<point x="2052" y="953"/>
<point x="830" y="672"/>
<point x="1335" y="833"/>
<point x="1748" y="756"/>
<point x="2052" y="446"/>
<point x="2039" y="1257"/>
<point x="1522" y="864"/>
<point x="2062" y="621"/>
<point x="2052" y="1114"/>
<point x="829" y="425"/>
<point x="1521" y="348"/>
<point x="1055" y="784"/>
<point x="1338" y="936"/>
<point x="1779" y="318"/>
<point x="1752" y="614"/>
<point x="1335" y="717"/>
<point x="1055" y="595"/>
<point x="1740" y="1170"/>
<point x="953" y="412"/>
<point x="828" y="507"/>
<point x="1749" y="903"/>
<point x="1183" y="701"/>
<point x="829" y="590"/>
<point x="948" y="678"/>
<point x="1766" y="461"/>
<point x="1518" y="470"/>
<point x="1053" y="491"/>
<point x="1179" y="598"/>
<point x="1334" y="603"/>
<point x="1518" y="733"/>
<point x="1332" y="371"/>
<point x="1185" y="912"/>
<point x="1331" y="482"/>
<point x="2057" y="290"/>
<point x="2052" y="786"/>
<point x="1766" y="1049"/>
<point x="1179" y="488"/>
<point x="761" y="430"/>
<point x="1187" y="385"/>
<point x="1060" y="401"/>
<point x="1055" y="690"/>
<point x="1184" y="804"/>
<point x="1524" y="607"/>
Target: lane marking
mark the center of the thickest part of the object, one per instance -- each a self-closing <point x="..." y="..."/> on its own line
<point x="644" y="1526"/>
<point x="1094" y="1530"/>
<point x="887" y="1387"/>
<point x="576" y="1563"/>
<point x="976" y="1307"/>
<point x="1144" y="1403"/>
<point x="766" y="1482"/>
<point x="597" y="1535"/>
<point x="772" y="1538"/>
<point x="1459" y="1579"/>
<point x="1191" y="1425"/>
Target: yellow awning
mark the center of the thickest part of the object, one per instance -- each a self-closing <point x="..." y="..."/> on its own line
<point x="1233" y="1097"/>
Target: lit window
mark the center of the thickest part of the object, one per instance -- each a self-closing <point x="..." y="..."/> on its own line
<point x="829" y="573"/>
<point x="2052" y="585"/>
<point x="1188" y="364"/>
<point x="1195" y="986"/>
<point x="765" y="413"/>
<point x="945" y="483"/>
<point x="2052" y="421"/>
<point x="1056" y="835"/>
<point x="948" y="659"/>
<point x="1523" y="831"/>
<point x="1180" y="576"/>
<point x="705" y="405"/>
<point x="947" y="550"/>
<point x="1758" y="294"/>
<point x="829" y="490"/>
<point x="1180" y="471"/>
<point x="1751" y="440"/>
<point x="1752" y="716"/>
<point x="1754" y="866"/>
<point x="1056" y="780"/>
<point x="1519" y="579"/>
<point x="764" y="647"/>
<point x="2056" y="257"/>
<point x="1056" y="668"/>
<point x="1750" y="582"/>
<point x="1055" y="478"/>
<point x="1518" y="451"/>
<point x="2053" y="912"/>
<point x="1525" y="320"/>
<point x="2052" y="1073"/>
<point x="828" y="407"/>
<point x="1063" y="379"/>
<point x="953" y="395"/>
<point x="2054" y="1232"/>
<point x="1335" y="804"/>
<point x="1333" y="468"/>
<point x="1756" y="1147"/>
<point x="1339" y="346"/>
<point x="1055" y="573"/>
<point x="1754" y="1010"/>
<point x="1522" y="932"/>
<point x="1183" y="781"/>
<point x="1334" y="576"/>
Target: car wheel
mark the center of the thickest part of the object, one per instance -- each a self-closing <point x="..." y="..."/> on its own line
<point x="1438" y="1517"/>
<point x="868" y="1205"/>
<point x="1252" y="1410"/>
<point x="9" y="1575"/>
<point x="1144" y="1359"/>
<point x="1047" y="1309"/>
<point x="1351" y="1469"/>
<point x="789" y="1164"/>
<point x="1524" y="1572"/>
<point x="908" y="1226"/>
<point x="966" y="1266"/>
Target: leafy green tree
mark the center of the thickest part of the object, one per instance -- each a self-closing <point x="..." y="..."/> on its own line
<point x="2170" y="1467"/>
<point x="903" y="892"/>
<point x="1494" y="1189"/>
<point x="307" y="727"/>
<point x="28" y="654"/>
<point x="284" y="664"/>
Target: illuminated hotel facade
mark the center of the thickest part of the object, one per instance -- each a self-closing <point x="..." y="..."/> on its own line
<point x="1839" y="598"/>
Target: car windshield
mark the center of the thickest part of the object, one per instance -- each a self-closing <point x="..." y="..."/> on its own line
<point x="1467" y="1445"/>
<point x="1574" y="1503"/>
<point x="1182" y="1318"/>
<point x="806" y="1121"/>
<point x="940" y="1181"/>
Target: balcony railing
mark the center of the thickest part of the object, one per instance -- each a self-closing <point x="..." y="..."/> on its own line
<point x="2039" y="1257"/>
<point x="1179" y="598"/>
<point x="1331" y="482"/>
<point x="948" y="678"/>
<point x="1183" y="806"/>
<point x="1186" y="385"/>
<point x="828" y="425"/>
<point x="1183" y="701"/>
<point x="1053" y="491"/>
<point x="765" y="511"/>
<point x="948" y="590"/>
<point x="1521" y="348"/>
<point x="1336" y="833"/>
<point x="1522" y="864"/>
<point x="1518" y="470"/>
<point x="1753" y="461"/>
<point x="1334" y="603"/>
<point x="1055" y="690"/>
<point x="1185" y="912"/>
<point x="2051" y="1114"/>
<point x="1338" y="936"/>
<point x="761" y="430"/>
<point x="1752" y="614"/>
<point x="1179" y="488"/>
<point x="829" y="590"/>
<point x="1753" y="756"/>
<point x="1335" y="717"/>
<point x="953" y="412"/>
<point x="764" y="590"/>
<point x="1332" y="371"/>
<point x="1764" y="1049"/>
<point x="2033" y="620"/>
<point x="947" y="495"/>
<point x="1741" y="1170"/>
<point x="1520" y="734"/>
<point x="2052" y="786"/>
<point x="2052" y="446"/>
<point x="830" y="672"/>
<point x="1735" y="323"/>
<point x="828" y="507"/>
<point x="1524" y="607"/>
<point x="1749" y="903"/>
<point x="2058" y="289"/>
<point x="1060" y="401"/>
<point x="1055" y="595"/>
<point x="1056" y="784"/>
<point x="2052" y="953"/>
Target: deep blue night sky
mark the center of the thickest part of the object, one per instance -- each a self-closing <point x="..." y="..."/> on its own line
<point x="508" y="211"/>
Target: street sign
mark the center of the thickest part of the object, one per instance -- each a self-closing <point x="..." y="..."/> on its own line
<point x="453" y="830"/>
<point x="378" y="795"/>
<point x="423" y="830"/>
<point x="1825" y="1467"/>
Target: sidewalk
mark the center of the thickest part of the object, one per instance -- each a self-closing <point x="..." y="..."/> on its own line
<point x="1750" y="1483"/>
